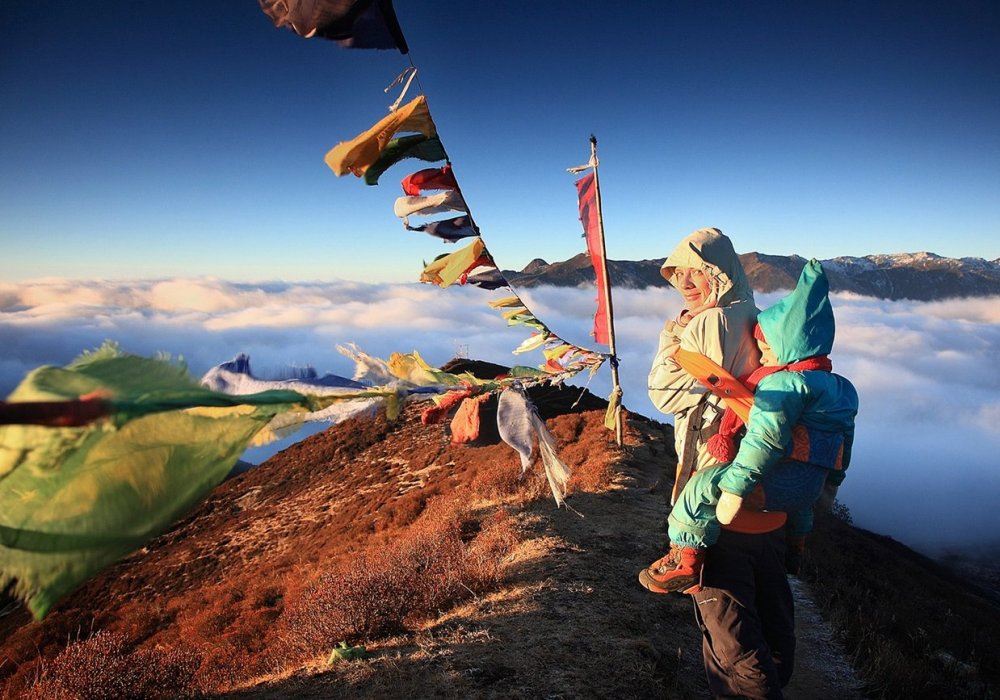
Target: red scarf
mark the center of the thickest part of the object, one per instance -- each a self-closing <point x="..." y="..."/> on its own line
<point x="721" y="445"/>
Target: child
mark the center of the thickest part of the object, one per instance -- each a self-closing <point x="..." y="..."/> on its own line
<point x="798" y="438"/>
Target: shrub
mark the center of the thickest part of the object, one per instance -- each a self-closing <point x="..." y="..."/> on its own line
<point x="444" y="557"/>
<point x="105" y="666"/>
<point x="500" y="479"/>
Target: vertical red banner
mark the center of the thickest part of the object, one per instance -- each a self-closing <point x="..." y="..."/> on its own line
<point x="587" y="191"/>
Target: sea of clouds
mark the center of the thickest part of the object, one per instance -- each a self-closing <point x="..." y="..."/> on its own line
<point x="926" y="466"/>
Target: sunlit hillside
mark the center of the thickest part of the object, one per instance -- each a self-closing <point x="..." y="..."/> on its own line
<point x="376" y="559"/>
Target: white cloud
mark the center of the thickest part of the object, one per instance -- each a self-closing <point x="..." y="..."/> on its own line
<point x="926" y="373"/>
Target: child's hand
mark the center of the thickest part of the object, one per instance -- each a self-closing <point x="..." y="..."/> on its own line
<point x="729" y="506"/>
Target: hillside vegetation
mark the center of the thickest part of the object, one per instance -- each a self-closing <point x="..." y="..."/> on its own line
<point x="459" y="578"/>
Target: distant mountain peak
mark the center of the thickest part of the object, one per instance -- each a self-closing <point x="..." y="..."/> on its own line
<point x="921" y="276"/>
<point x="535" y="265"/>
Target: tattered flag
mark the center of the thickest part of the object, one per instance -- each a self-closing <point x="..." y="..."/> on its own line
<point x="354" y="24"/>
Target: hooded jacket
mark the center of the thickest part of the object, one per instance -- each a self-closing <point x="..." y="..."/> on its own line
<point x="724" y="334"/>
<point x="797" y="327"/>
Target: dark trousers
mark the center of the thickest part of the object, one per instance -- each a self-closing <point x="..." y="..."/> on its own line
<point x="746" y="615"/>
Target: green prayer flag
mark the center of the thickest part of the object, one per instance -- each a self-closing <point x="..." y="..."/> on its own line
<point x="74" y="500"/>
<point x="416" y="146"/>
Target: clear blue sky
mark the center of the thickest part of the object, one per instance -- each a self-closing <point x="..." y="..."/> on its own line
<point x="187" y="138"/>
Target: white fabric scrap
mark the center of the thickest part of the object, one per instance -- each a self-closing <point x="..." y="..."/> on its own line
<point x="367" y="369"/>
<point x="237" y="383"/>
<point x="449" y="200"/>
<point x="518" y="423"/>
<point x="514" y="424"/>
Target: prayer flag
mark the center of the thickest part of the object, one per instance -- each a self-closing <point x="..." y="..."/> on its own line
<point x="488" y="279"/>
<point x="413" y="146"/>
<point x="429" y="179"/>
<point x="75" y="499"/>
<point x="517" y="311"/>
<point x="355" y="24"/>
<point x="450" y="230"/>
<point x="506" y="302"/>
<point x="535" y="340"/>
<point x="406" y="206"/>
<point x="358" y="154"/>
<point x="484" y="261"/>
<point x="519" y="426"/>
<point x="587" y="192"/>
<point x="447" y="269"/>
<point x="465" y="424"/>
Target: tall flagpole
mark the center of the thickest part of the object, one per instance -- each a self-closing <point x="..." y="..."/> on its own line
<point x="615" y="386"/>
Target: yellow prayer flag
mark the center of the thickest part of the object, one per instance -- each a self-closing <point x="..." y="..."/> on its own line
<point x="557" y="352"/>
<point x="505" y="302"/>
<point x="533" y="341"/>
<point x="515" y="312"/>
<point x="358" y="154"/>
<point x="448" y="268"/>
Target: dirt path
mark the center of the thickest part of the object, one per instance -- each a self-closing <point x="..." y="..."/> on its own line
<point x="572" y="620"/>
<point x="822" y="668"/>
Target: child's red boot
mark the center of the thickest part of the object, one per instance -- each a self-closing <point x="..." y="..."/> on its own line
<point x="678" y="571"/>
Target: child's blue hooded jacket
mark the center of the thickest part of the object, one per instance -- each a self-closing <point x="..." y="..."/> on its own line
<point x="797" y="327"/>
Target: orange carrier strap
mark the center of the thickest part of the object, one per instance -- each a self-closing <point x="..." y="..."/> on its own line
<point x="731" y="390"/>
<point x="757" y="522"/>
<point x="751" y="520"/>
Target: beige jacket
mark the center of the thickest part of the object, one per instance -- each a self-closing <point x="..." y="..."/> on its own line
<point x="724" y="334"/>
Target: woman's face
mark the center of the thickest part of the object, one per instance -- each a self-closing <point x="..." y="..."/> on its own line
<point x="693" y="284"/>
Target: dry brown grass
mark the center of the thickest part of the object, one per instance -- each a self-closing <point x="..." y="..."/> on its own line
<point x="246" y="630"/>
<point x="107" y="666"/>
<point x="446" y="556"/>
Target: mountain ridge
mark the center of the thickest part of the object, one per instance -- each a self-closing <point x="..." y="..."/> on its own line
<point x="920" y="276"/>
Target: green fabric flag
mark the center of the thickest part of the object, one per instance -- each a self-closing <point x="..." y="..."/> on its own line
<point x="74" y="500"/>
<point x="416" y="146"/>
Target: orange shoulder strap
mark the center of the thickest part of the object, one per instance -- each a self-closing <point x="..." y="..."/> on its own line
<point x="719" y="381"/>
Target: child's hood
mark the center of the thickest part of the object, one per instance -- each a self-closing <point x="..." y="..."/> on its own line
<point x="801" y="325"/>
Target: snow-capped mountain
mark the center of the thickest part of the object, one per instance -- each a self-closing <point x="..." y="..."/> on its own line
<point x="920" y="276"/>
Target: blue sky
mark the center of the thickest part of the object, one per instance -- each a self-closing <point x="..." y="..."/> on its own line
<point x="149" y="140"/>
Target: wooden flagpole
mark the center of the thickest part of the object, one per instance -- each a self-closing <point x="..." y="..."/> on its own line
<point x="615" y="386"/>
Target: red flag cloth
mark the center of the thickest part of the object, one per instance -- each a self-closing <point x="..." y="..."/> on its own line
<point x="429" y="179"/>
<point x="586" y="188"/>
<point x="465" y="423"/>
<point x="437" y="413"/>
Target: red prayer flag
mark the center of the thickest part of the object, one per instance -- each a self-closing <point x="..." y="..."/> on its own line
<point x="587" y="190"/>
<point x="430" y="179"/>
